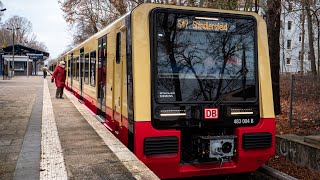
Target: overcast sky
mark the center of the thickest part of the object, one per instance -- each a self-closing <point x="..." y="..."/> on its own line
<point x="47" y="22"/>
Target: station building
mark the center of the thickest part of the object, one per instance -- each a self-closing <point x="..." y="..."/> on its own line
<point x="17" y="64"/>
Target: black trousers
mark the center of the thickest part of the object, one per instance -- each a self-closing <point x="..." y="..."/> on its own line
<point x="59" y="92"/>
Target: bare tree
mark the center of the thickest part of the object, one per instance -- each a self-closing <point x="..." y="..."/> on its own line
<point x="1" y="7"/>
<point x="273" y="24"/>
<point x="22" y="26"/>
<point x="120" y="5"/>
<point x="302" y="36"/>
<point x="86" y="17"/>
<point x="311" y="38"/>
<point x="318" y="43"/>
<point x="83" y="16"/>
<point x="35" y="44"/>
<point x="6" y="36"/>
<point x="22" y="33"/>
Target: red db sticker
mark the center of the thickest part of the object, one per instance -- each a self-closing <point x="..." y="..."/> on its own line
<point x="211" y="113"/>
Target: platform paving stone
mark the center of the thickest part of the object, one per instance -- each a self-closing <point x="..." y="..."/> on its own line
<point x="28" y="164"/>
<point x="42" y="137"/>
<point x="85" y="154"/>
<point x="137" y="169"/>
<point x="17" y="99"/>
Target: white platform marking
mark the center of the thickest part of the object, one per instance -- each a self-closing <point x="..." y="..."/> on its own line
<point x="138" y="170"/>
<point x="52" y="164"/>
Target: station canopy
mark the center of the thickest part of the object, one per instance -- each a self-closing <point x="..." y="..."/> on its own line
<point x="20" y="50"/>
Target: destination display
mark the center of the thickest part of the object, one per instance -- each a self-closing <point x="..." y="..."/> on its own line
<point x="202" y="25"/>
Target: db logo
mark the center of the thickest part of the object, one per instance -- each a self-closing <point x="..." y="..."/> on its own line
<point x="211" y="113"/>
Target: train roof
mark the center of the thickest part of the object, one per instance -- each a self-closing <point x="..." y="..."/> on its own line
<point x="98" y="34"/>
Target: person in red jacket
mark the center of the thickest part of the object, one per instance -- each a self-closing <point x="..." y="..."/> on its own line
<point x="59" y="74"/>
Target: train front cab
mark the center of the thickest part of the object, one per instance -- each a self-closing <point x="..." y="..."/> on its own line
<point x="175" y="130"/>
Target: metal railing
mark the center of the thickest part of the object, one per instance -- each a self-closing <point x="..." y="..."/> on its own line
<point x="301" y="98"/>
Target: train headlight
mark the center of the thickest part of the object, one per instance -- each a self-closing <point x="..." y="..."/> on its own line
<point x="222" y="147"/>
<point x="242" y="111"/>
<point x="226" y="147"/>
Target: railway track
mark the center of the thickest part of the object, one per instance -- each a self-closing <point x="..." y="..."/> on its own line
<point x="263" y="173"/>
<point x="275" y="174"/>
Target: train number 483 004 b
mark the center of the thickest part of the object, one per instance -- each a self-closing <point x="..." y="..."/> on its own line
<point x="244" y="121"/>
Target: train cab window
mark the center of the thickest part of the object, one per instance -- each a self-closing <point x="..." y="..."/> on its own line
<point x="92" y="68"/>
<point x="204" y="58"/>
<point x="118" y="49"/>
<point x="86" y="68"/>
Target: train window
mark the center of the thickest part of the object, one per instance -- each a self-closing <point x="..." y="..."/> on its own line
<point x="86" y="68"/>
<point x="104" y="46"/>
<point x="81" y="61"/>
<point x="76" y="67"/>
<point x="118" y="49"/>
<point x="71" y="66"/>
<point x="92" y="68"/>
<point x="74" y="72"/>
<point x="204" y="58"/>
<point x="69" y="69"/>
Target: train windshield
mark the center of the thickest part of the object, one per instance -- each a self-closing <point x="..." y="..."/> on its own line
<point x="204" y="58"/>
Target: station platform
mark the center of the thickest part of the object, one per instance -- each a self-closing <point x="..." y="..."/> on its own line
<point x="42" y="137"/>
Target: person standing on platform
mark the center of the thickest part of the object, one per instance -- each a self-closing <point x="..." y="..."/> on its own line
<point x="59" y="74"/>
<point x="44" y="70"/>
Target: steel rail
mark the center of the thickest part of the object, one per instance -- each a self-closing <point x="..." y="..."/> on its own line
<point x="275" y="173"/>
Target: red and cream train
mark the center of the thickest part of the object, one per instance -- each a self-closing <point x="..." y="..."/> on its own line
<point x="187" y="89"/>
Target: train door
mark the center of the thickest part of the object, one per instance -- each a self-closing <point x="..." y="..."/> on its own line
<point x="81" y="72"/>
<point x="110" y="84"/>
<point x="102" y="62"/>
<point x="118" y="82"/>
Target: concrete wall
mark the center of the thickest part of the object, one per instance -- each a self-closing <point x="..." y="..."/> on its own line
<point x="299" y="152"/>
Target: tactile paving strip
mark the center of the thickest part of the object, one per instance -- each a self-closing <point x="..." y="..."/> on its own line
<point x="52" y="164"/>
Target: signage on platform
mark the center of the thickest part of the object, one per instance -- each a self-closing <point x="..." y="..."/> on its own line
<point x="35" y="56"/>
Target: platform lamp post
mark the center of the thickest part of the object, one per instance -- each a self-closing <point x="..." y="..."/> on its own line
<point x="2" y="61"/>
<point x="13" y="29"/>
